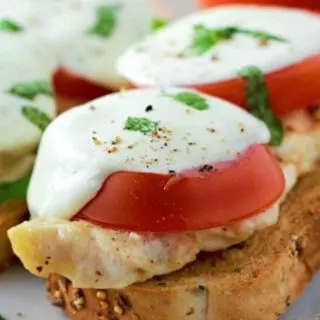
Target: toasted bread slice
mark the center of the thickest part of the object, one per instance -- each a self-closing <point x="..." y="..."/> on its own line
<point x="256" y="280"/>
<point x="11" y="213"/>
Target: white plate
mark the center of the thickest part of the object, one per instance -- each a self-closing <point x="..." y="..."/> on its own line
<point x="23" y="297"/>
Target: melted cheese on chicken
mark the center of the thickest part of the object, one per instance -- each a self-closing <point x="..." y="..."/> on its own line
<point x="93" y="257"/>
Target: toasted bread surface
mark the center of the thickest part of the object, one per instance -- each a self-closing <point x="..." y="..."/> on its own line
<point x="256" y="280"/>
<point x="11" y="213"/>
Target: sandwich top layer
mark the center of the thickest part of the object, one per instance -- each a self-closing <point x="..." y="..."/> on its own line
<point x="95" y="257"/>
<point x="25" y="95"/>
<point x="87" y="36"/>
<point x="85" y="145"/>
<point x="213" y="45"/>
<point x="152" y="130"/>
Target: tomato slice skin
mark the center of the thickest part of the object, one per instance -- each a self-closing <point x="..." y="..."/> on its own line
<point x="72" y="90"/>
<point x="304" y="4"/>
<point x="146" y="202"/>
<point x="291" y="88"/>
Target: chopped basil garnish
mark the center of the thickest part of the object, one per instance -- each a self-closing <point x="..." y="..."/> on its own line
<point x="256" y="97"/>
<point x="143" y="125"/>
<point x="190" y="99"/>
<point x="10" y="26"/>
<point x="106" y="20"/>
<point x="205" y="38"/>
<point x="261" y="35"/>
<point x="30" y="89"/>
<point x="14" y="190"/>
<point x="36" y="116"/>
<point x="157" y="24"/>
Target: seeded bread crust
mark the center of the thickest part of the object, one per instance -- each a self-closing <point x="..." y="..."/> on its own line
<point x="11" y="213"/>
<point x="256" y="280"/>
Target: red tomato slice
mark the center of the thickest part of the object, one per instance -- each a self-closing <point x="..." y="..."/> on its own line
<point x="72" y="90"/>
<point x="306" y="4"/>
<point x="290" y="88"/>
<point x="234" y="191"/>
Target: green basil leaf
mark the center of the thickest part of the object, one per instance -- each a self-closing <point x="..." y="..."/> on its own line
<point x="30" y="89"/>
<point x="191" y="99"/>
<point x="9" y="25"/>
<point x="14" y="190"/>
<point x="256" y="97"/>
<point x="202" y="41"/>
<point x="106" y="20"/>
<point x="157" y="24"/>
<point x="143" y="125"/>
<point x="36" y="116"/>
<point x="261" y="35"/>
<point x="205" y="38"/>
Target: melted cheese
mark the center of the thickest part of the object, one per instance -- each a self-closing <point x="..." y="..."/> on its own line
<point x="56" y="34"/>
<point x="19" y="137"/>
<point x="65" y="24"/>
<point x="79" y="150"/>
<point x="157" y="60"/>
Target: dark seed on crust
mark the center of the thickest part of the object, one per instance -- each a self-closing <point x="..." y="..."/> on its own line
<point x="124" y="302"/>
<point x="190" y="312"/>
<point x="299" y="248"/>
<point x="59" y="302"/>
<point x="77" y="293"/>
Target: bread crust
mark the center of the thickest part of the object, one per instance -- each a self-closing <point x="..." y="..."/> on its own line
<point x="256" y="280"/>
<point x="11" y="213"/>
